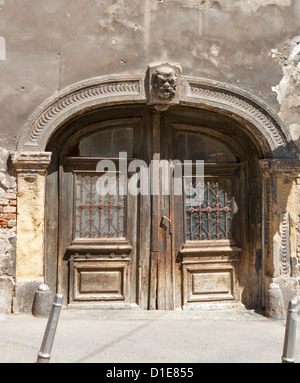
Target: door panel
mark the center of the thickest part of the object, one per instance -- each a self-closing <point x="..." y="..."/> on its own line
<point x="102" y="252"/>
<point x="162" y="251"/>
<point x="96" y="279"/>
<point x="208" y="219"/>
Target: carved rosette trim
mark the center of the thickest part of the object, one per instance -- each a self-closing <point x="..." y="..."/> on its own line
<point x="106" y="90"/>
<point x="227" y="98"/>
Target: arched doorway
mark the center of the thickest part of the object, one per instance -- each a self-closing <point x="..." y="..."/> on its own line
<point x="162" y="250"/>
<point x="157" y="251"/>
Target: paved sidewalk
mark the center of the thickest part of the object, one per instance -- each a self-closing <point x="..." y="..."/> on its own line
<point x="147" y="337"/>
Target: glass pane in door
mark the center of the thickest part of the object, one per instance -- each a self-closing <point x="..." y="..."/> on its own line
<point x="208" y="210"/>
<point x="100" y="206"/>
<point x="198" y="146"/>
<point x="108" y="143"/>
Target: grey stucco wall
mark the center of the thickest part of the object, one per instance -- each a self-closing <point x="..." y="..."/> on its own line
<point x="47" y="45"/>
<point x="51" y="44"/>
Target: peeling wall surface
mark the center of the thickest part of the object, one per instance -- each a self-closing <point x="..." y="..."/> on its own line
<point x="51" y="44"/>
<point x="47" y="45"/>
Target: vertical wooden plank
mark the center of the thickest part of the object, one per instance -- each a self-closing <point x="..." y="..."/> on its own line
<point x="144" y="251"/>
<point x="131" y="281"/>
<point x="178" y="230"/>
<point x="66" y="190"/>
<point x="163" y="250"/>
<point x="178" y="242"/>
<point x="51" y="225"/>
<point x="168" y="258"/>
<point x="155" y="222"/>
<point x="172" y="292"/>
<point x="175" y="203"/>
<point x="165" y="280"/>
<point x="144" y="212"/>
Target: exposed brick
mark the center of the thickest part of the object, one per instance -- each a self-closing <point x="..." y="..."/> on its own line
<point x="13" y="202"/>
<point x="3" y="223"/>
<point x="9" y="209"/>
<point x="11" y="196"/>
<point x="9" y="217"/>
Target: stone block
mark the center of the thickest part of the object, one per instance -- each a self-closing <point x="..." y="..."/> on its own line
<point x="6" y="294"/>
<point x="25" y="291"/>
<point x="11" y="224"/>
<point x="42" y="302"/>
<point x="275" y="304"/>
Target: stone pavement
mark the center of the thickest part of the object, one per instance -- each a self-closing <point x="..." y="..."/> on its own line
<point x="135" y="336"/>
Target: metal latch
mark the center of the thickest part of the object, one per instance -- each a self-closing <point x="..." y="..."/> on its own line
<point x="163" y="221"/>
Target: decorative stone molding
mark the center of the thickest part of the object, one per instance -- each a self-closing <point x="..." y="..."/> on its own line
<point x="28" y="165"/>
<point x="163" y="86"/>
<point x="281" y="168"/>
<point x="280" y="216"/>
<point x="285" y="252"/>
<point x="243" y="105"/>
<point x="75" y="99"/>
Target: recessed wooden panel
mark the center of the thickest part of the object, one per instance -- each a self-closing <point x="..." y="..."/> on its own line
<point x="105" y="281"/>
<point x="211" y="283"/>
<point x="98" y="281"/>
<point x="208" y="283"/>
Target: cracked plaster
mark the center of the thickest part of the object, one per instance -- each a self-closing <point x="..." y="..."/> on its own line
<point x="288" y="90"/>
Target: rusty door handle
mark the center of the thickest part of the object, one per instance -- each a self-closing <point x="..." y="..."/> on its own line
<point x="163" y="221"/>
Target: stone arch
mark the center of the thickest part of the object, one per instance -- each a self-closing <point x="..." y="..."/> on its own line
<point x="260" y="122"/>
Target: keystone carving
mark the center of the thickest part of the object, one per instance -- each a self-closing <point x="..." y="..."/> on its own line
<point x="165" y="82"/>
<point x="164" y="85"/>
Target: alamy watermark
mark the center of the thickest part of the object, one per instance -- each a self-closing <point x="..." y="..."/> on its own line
<point x="160" y="177"/>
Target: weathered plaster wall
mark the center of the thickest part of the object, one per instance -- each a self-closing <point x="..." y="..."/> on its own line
<point x="51" y="44"/>
<point x="31" y="200"/>
<point x="46" y="45"/>
<point x="288" y="95"/>
<point x="7" y="232"/>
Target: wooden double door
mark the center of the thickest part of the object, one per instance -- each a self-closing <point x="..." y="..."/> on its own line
<point x="138" y="227"/>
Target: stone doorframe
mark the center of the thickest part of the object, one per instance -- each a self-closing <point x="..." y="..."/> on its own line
<point x="163" y="86"/>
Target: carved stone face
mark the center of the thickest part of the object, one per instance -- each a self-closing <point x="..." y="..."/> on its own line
<point x="165" y="83"/>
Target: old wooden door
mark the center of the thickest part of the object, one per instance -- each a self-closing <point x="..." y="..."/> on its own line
<point x="198" y="225"/>
<point x="161" y="248"/>
<point x="102" y="248"/>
